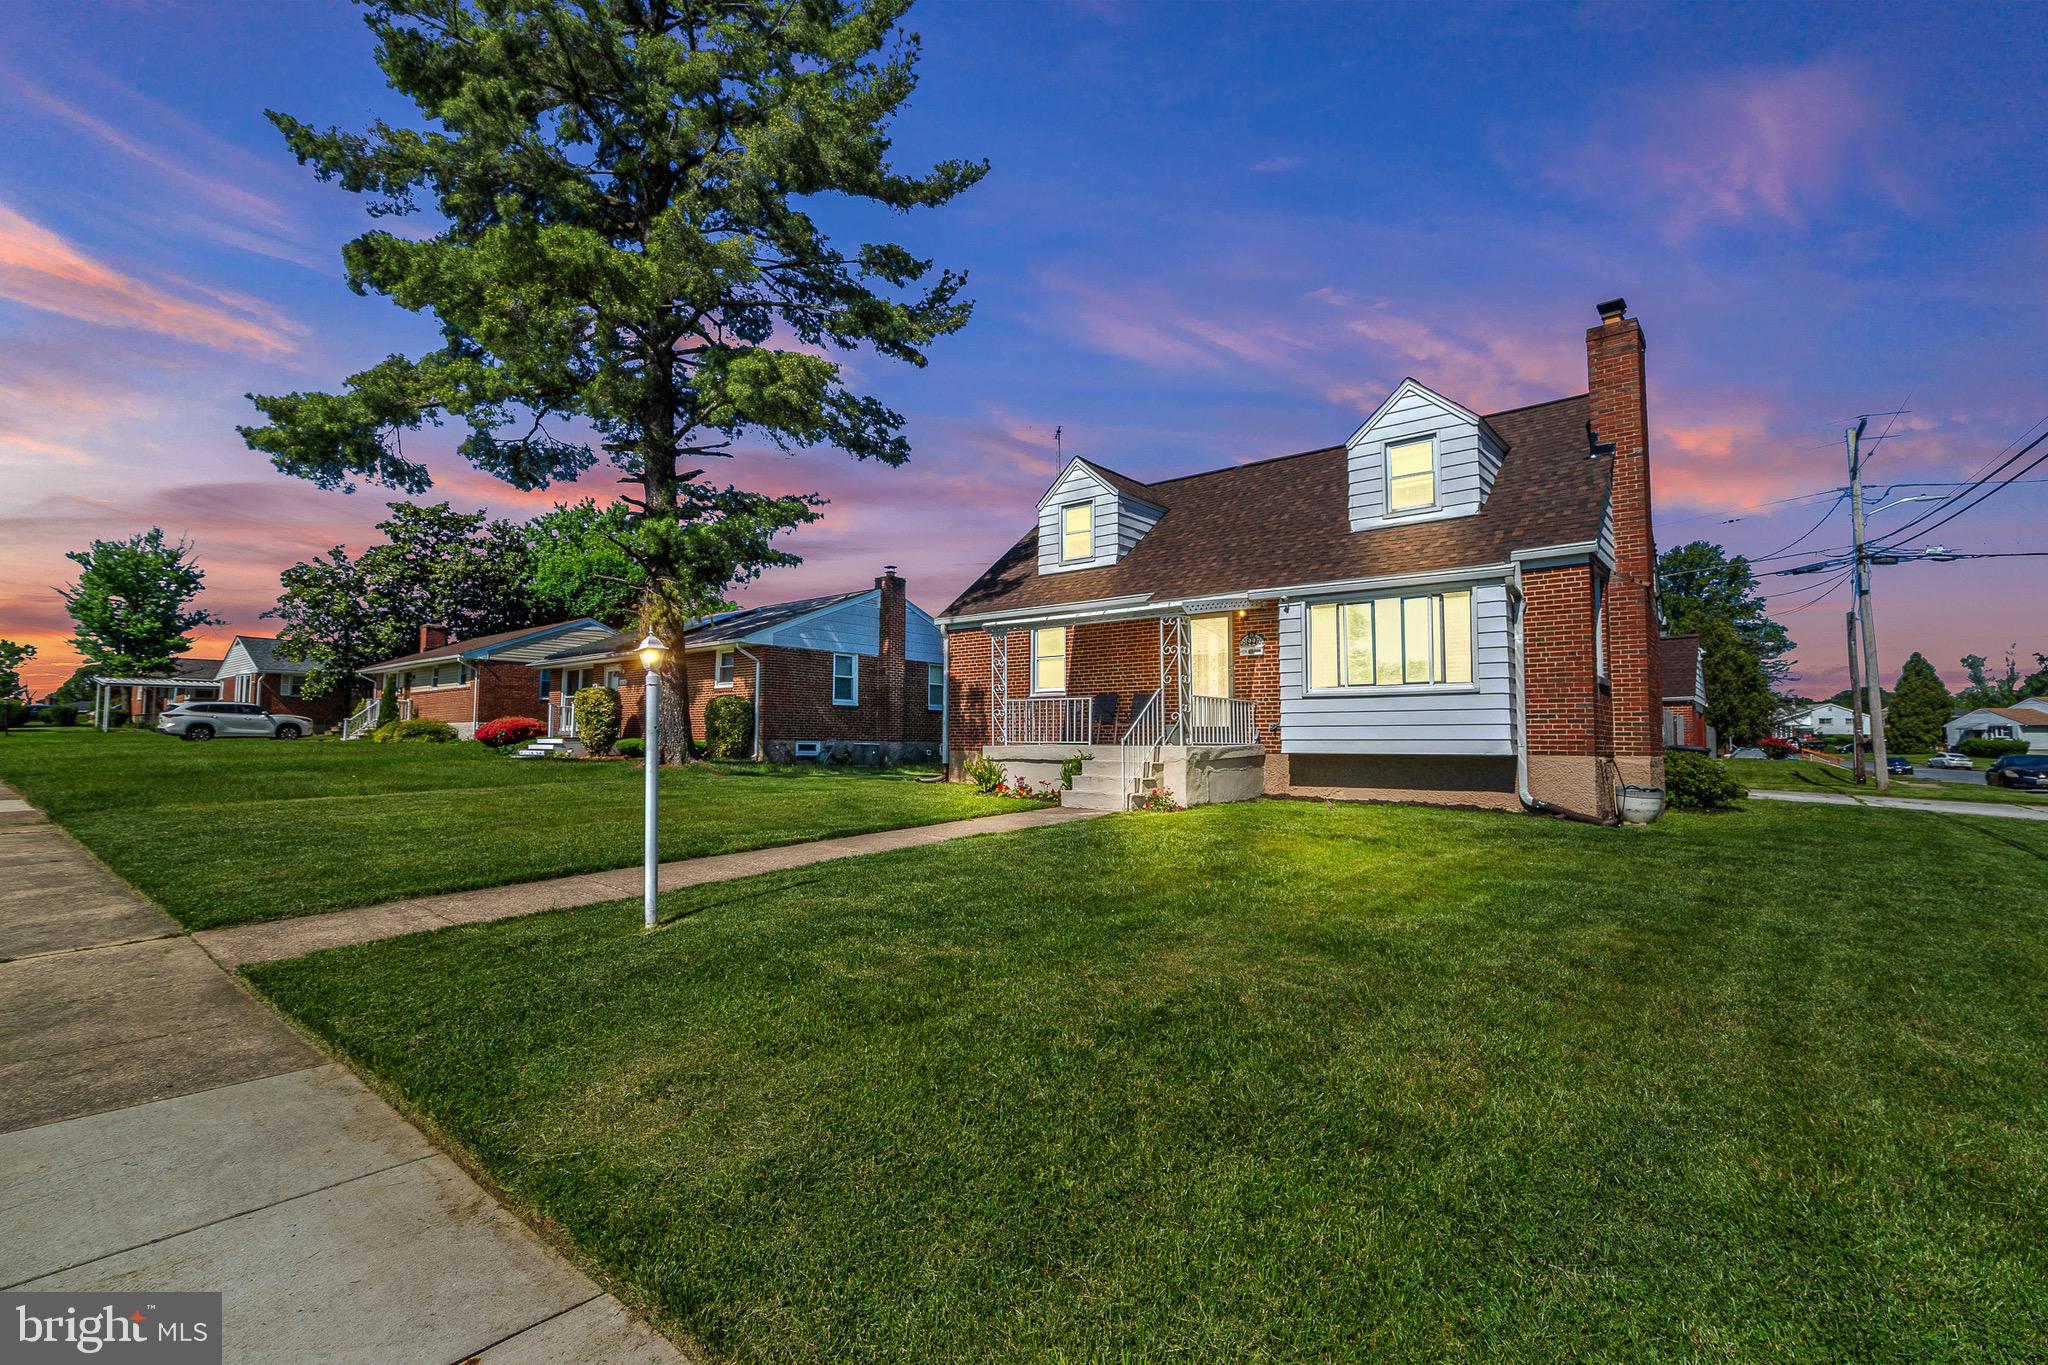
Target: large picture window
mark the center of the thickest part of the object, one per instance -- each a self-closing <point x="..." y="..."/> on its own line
<point x="1049" y="660"/>
<point x="1419" y="639"/>
<point x="1077" y="531"/>
<point x="1411" y="475"/>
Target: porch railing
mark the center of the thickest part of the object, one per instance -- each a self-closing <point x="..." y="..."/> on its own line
<point x="363" y="721"/>
<point x="1220" y="720"/>
<point x="1046" y="720"/>
<point x="1147" y="732"/>
<point x="562" y="719"/>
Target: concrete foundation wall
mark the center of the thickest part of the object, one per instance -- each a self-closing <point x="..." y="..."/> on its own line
<point x="1207" y="777"/>
<point x="1437" y="781"/>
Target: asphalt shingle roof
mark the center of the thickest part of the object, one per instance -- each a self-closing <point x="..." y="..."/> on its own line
<point x="712" y="630"/>
<point x="1287" y="520"/>
<point x="455" y="648"/>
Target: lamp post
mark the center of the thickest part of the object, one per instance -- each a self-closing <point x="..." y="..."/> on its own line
<point x="652" y="652"/>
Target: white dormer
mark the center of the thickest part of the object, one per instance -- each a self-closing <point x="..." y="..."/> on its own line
<point x="1420" y="457"/>
<point x="1086" y="522"/>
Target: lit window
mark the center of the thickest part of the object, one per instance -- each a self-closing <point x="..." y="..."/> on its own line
<point x="1077" y="531"/>
<point x="845" y="680"/>
<point x="1049" y="660"/>
<point x="935" y="687"/>
<point x="1390" y="641"/>
<point x="1411" y="475"/>
<point x="721" y="669"/>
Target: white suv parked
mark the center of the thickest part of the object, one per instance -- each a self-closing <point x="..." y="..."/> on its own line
<point x="229" y="719"/>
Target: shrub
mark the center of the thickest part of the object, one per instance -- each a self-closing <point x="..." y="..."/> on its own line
<point x="418" y="730"/>
<point x="61" y="713"/>
<point x="13" y="712"/>
<point x="1777" y="748"/>
<point x="1696" y="782"/>
<point x="1070" y="768"/>
<point x="1981" y="747"/>
<point x="387" y="699"/>
<point x="631" y="748"/>
<point x="984" y="772"/>
<point x="597" y="718"/>
<point x="728" y="727"/>
<point x="507" y="731"/>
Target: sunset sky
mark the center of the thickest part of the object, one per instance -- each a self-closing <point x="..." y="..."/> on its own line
<point x="1212" y="233"/>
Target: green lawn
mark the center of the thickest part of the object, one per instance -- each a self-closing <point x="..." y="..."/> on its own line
<point x="1798" y="774"/>
<point x="241" y="830"/>
<point x="1277" y="1082"/>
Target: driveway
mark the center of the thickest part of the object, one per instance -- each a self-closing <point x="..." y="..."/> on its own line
<point x="161" y="1130"/>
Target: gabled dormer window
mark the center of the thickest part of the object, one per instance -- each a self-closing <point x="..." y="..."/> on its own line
<point x="1077" y="531"/>
<point x="1411" y="476"/>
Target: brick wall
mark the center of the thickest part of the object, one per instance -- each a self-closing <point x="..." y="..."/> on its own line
<point x="1557" y="643"/>
<point x="495" y="689"/>
<point x="1619" y="413"/>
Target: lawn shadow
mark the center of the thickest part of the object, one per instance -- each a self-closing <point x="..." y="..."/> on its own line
<point x="732" y="898"/>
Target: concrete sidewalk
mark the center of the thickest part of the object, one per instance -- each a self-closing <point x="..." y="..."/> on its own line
<point x="161" y="1130"/>
<point x="274" y="939"/>
<point x="1992" y="808"/>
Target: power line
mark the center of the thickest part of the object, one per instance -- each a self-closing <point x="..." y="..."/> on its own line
<point x="1977" y="480"/>
<point x="1980" y="498"/>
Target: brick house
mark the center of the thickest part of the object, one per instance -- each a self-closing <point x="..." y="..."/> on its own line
<point x="254" y="672"/>
<point x="855" y="677"/>
<point x="467" y="682"/>
<point x="1449" y="607"/>
<point x="1683" y="666"/>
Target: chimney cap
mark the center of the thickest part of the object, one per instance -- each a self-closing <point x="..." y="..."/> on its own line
<point x="1612" y="310"/>
<point x="889" y="569"/>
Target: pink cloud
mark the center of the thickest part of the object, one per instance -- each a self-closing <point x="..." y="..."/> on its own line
<point x="42" y="270"/>
<point x="1783" y="146"/>
<point x="1488" y="367"/>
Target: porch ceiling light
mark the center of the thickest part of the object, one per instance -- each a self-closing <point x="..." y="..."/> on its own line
<point x="652" y="652"/>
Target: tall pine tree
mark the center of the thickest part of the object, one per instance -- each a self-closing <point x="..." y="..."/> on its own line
<point x="1916" y="711"/>
<point x="628" y="262"/>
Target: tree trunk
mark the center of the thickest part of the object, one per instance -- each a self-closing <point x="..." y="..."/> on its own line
<point x="675" y="711"/>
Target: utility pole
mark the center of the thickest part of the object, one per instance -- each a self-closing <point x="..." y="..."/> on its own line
<point x="1871" y="679"/>
<point x="1855" y="700"/>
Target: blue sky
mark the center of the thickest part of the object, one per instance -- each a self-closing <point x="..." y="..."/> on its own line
<point x="1212" y="233"/>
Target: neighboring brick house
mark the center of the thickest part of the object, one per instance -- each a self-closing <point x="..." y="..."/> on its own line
<point x="855" y="677"/>
<point x="1683" y="666"/>
<point x="467" y="682"/>
<point x="254" y="672"/>
<point x="1448" y="607"/>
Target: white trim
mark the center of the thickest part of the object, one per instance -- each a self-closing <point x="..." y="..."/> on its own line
<point x="1066" y="507"/>
<point x="1061" y="690"/>
<point x="1553" y="556"/>
<point x="1096" y="473"/>
<point x="1139" y="603"/>
<point x="722" y="659"/>
<point x="1388" y="512"/>
<point x="1412" y="385"/>
<point x="854" y="677"/>
<point x="934" y="673"/>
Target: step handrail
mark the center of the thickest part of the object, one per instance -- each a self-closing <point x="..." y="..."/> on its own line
<point x="1147" y="728"/>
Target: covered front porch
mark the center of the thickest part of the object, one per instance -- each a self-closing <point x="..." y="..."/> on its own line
<point x="1159" y="703"/>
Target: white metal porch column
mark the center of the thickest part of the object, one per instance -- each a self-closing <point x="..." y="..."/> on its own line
<point x="1173" y="674"/>
<point x="999" y="683"/>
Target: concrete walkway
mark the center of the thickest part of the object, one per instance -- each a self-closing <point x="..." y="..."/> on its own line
<point x="246" y="943"/>
<point x="161" y="1130"/>
<point x="1992" y="808"/>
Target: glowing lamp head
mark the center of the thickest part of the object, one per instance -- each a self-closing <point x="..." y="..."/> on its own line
<point x="652" y="652"/>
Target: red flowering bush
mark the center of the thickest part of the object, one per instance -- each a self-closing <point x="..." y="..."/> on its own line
<point x="507" y="731"/>
<point x="1777" y="748"/>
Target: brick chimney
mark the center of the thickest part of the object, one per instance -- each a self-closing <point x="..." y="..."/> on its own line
<point x="895" y="641"/>
<point x="431" y="636"/>
<point x="1620" y="428"/>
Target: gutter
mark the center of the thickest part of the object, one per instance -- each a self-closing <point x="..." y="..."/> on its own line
<point x="758" y="705"/>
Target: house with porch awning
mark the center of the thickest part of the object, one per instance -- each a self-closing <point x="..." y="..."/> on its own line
<point x="1449" y="606"/>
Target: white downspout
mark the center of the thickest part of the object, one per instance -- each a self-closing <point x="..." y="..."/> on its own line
<point x="945" y="701"/>
<point x="1521" y="606"/>
<point x="742" y="649"/>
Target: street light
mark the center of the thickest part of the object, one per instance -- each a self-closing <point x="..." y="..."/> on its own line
<point x="652" y="652"/>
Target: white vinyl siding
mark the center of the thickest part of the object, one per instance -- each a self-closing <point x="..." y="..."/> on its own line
<point x="934" y="687"/>
<point x="924" y="644"/>
<point x="1464" y="459"/>
<point x="846" y="680"/>
<point x="1470" y="633"/>
<point x="1049" y="660"/>
<point x="1116" y="521"/>
<point x="850" y="627"/>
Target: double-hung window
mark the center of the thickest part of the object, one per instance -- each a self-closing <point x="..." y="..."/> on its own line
<point x="1049" y="660"/>
<point x="1411" y="475"/>
<point x="935" y="687"/>
<point x="846" y="680"/>
<point x="1413" y="640"/>
<point x="1077" y="531"/>
<point x="721" y="668"/>
<point x="543" y="684"/>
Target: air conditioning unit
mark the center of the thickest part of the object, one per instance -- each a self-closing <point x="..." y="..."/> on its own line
<point x="807" y="748"/>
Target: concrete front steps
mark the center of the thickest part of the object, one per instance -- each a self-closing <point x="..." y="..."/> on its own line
<point x="554" y="746"/>
<point x="1104" y="784"/>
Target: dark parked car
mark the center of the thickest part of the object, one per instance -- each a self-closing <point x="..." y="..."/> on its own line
<point x="1898" y="767"/>
<point x="2019" y="770"/>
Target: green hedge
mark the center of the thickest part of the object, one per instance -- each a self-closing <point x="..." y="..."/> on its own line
<point x="1696" y="782"/>
<point x="1981" y="747"/>
<point x="419" y="730"/>
<point x="728" y="727"/>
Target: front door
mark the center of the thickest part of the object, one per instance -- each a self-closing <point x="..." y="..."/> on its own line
<point x="1209" y="656"/>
